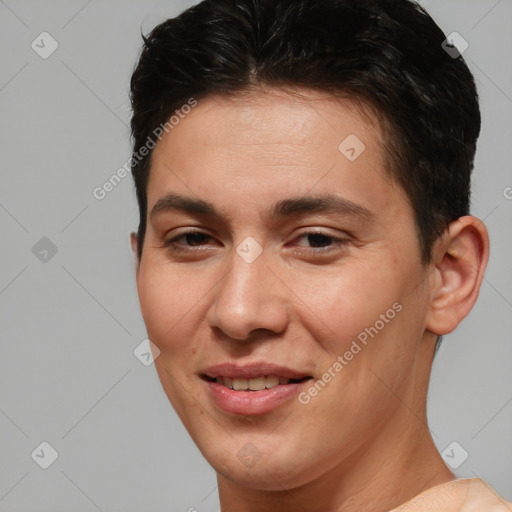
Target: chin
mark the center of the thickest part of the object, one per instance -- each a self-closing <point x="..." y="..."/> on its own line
<point x="270" y="469"/>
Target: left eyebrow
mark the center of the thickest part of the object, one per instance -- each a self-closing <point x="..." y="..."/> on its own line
<point x="327" y="203"/>
<point x="302" y="205"/>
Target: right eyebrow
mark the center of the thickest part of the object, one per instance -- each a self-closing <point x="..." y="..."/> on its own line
<point x="183" y="204"/>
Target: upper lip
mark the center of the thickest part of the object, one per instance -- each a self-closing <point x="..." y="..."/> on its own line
<point x="251" y="371"/>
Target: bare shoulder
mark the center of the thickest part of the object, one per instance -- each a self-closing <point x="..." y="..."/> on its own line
<point x="460" y="495"/>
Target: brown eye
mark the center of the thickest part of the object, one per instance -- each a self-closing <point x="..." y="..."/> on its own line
<point x="320" y="240"/>
<point x="191" y="239"/>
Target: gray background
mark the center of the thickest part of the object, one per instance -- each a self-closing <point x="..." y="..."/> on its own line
<point x="69" y="325"/>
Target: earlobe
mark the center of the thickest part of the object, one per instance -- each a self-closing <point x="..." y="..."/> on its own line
<point x="133" y="243"/>
<point x="460" y="258"/>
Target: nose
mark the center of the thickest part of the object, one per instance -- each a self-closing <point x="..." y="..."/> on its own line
<point x="250" y="297"/>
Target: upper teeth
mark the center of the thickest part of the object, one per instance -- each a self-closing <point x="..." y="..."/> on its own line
<point x="255" y="384"/>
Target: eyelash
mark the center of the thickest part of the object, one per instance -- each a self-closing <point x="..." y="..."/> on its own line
<point x="171" y="243"/>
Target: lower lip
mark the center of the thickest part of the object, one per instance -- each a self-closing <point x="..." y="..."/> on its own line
<point x="253" y="402"/>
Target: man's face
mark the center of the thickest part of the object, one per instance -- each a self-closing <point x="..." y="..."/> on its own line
<point x="268" y="289"/>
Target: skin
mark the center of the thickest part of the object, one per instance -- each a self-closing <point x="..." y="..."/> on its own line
<point x="362" y="443"/>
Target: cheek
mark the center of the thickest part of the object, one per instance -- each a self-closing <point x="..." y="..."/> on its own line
<point x="167" y="299"/>
<point x="347" y="301"/>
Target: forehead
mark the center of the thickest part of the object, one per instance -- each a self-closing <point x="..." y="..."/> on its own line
<point x="262" y="144"/>
<point x="277" y="116"/>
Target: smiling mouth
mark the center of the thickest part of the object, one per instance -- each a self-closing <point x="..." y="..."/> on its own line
<point x="254" y="384"/>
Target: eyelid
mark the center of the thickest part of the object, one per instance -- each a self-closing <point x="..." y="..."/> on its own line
<point x="342" y="235"/>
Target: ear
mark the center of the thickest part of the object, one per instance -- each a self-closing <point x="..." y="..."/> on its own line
<point x="460" y="257"/>
<point x="133" y="243"/>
